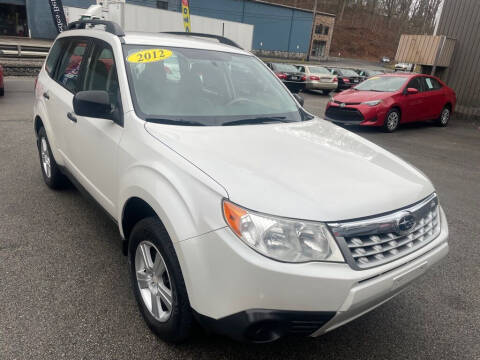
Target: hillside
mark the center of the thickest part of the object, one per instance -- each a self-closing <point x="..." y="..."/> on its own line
<point x="370" y="29"/>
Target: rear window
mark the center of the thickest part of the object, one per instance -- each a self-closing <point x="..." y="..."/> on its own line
<point x="318" y="70"/>
<point x="285" y="68"/>
<point x="347" y="72"/>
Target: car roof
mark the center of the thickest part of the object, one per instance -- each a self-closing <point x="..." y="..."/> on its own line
<point x="161" y="39"/>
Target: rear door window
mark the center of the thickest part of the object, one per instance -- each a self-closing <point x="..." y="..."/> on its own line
<point x="69" y="71"/>
<point x="431" y="84"/>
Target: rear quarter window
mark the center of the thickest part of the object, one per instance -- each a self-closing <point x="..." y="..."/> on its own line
<point x="53" y="56"/>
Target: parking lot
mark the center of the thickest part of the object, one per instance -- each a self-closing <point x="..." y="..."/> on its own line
<point x="65" y="291"/>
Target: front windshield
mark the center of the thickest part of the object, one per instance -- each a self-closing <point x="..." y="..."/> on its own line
<point x="382" y="83"/>
<point x="199" y="87"/>
<point x="347" y="72"/>
<point x="319" y="70"/>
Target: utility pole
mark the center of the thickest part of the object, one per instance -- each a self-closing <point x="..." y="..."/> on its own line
<point x="313" y="30"/>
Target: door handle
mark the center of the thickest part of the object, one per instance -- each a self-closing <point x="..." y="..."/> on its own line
<point x="72" y="117"/>
<point x="46" y="96"/>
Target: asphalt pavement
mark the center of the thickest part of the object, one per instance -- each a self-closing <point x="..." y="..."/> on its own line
<point x="65" y="291"/>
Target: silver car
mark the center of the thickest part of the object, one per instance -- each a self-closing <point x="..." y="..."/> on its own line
<point x="318" y="78"/>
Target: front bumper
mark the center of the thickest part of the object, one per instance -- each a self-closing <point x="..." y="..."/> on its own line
<point x="224" y="278"/>
<point x="370" y="115"/>
<point x="294" y="86"/>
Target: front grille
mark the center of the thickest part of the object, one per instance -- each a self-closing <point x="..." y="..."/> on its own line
<point x="344" y="114"/>
<point x="376" y="241"/>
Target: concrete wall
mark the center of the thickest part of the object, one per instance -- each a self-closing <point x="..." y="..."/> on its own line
<point x="460" y="20"/>
<point x="140" y="18"/>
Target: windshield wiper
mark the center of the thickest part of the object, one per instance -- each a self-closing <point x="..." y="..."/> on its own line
<point x="259" y="120"/>
<point x="180" y="122"/>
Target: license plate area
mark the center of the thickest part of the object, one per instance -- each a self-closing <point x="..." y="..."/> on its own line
<point x="410" y="275"/>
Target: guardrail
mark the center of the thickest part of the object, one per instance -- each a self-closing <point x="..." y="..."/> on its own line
<point x="23" y="51"/>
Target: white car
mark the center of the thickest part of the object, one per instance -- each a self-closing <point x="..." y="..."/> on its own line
<point x="404" y="67"/>
<point x="238" y="209"/>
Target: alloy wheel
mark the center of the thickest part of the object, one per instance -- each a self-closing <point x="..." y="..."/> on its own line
<point x="45" y="155"/>
<point x="445" y="116"/>
<point x="392" y="121"/>
<point x="153" y="281"/>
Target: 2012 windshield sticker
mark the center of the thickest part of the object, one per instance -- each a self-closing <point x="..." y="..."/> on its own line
<point x="149" y="55"/>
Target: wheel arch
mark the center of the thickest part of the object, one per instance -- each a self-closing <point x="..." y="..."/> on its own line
<point x="37" y="124"/>
<point x="134" y="210"/>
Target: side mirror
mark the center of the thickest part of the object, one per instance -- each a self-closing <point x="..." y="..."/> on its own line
<point x="93" y="103"/>
<point x="412" y="91"/>
<point x="300" y="99"/>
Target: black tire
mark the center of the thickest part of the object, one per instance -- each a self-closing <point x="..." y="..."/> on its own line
<point x="2" y="91"/>
<point x="444" y="117"/>
<point x="326" y="92"/>
<point x="178" y="327"/>
<point x="54" y="179"/>
<point x="392" y="120"/>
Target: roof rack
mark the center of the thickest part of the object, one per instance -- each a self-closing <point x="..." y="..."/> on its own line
<point x="110" y="26"/>
<point x="221" y="39"/>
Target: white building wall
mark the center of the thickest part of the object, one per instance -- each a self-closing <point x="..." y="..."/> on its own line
<point x="141" y="18"/>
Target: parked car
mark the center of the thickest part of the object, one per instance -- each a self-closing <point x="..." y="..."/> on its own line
<point x="318" y="78"/>
<point x="2" y="86"/>
<point x="346" y="78"/>
<point x="237" y="208"/>
<point x="385" y="60"/>
<point x="404" y="67"/>
<point x="293" y="79"/>
<point x="393" y="99"/>
<point x="365" y="73"/>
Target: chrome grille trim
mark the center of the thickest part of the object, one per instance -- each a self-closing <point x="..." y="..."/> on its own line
<point x="379" y="240"/>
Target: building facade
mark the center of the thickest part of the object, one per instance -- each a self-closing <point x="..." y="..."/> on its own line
<point x="460" y="20"/>
<point x="322" y="35"/>
<point x="278" y="30"/>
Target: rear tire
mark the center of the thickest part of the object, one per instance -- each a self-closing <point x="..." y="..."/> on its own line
<point x="444" y="117"/>
<point x="392" y="120"/>
<point x="159" y="289"/>
<point x="50" y="171"/>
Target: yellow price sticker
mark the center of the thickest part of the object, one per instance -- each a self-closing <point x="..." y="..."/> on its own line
<point x="149" y="55"/>
<point x="375" y="78"/>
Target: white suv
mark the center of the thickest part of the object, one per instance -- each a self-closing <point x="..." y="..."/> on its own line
<point x="237" y="208"/>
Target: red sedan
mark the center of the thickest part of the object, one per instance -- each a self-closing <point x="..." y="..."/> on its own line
<point x="392" y="99"/>
<point x="2" y="89"/>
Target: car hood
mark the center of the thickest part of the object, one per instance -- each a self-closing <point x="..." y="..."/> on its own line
<point x="311" y="170"/>
<point x="356" y="96"/>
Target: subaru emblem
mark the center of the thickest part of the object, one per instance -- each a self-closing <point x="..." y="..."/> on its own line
<point x="406" y="223"/>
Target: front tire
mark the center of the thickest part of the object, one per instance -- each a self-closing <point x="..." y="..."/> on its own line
<point x="444" y="118"/>
<point x="50" y="171"/>
<point x="158" y="282"/>
<point x="392" y="120"/>
<point x="326" y="92"/>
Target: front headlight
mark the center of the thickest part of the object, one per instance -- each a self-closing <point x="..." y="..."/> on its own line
<point x="282" y="239"/>
<point x="372" y="103"/>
